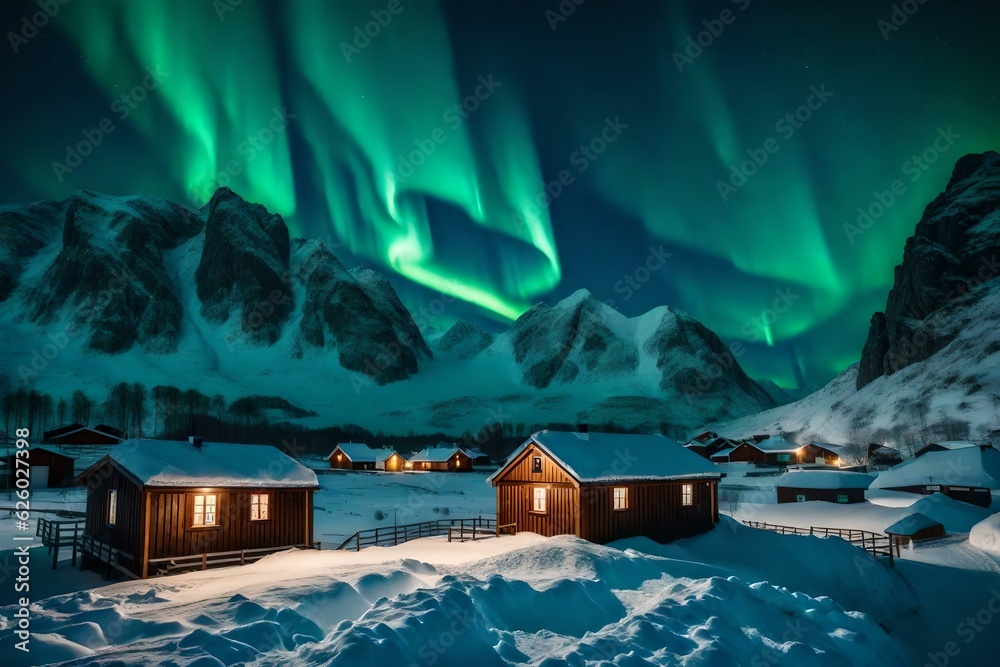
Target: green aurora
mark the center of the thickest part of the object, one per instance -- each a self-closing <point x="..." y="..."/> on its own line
<point x="364" y="140"/>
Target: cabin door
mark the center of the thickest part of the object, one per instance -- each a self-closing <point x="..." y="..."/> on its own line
<point x="39" y="477"/>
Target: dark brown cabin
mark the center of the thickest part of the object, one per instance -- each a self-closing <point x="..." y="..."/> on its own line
<point x="604" y="487"/>
<point x="78" y="434"/>
<point x="440" y="458"/>
<point x="780" y="452"/>
<point x="352" y="456"/>
<point x="49" y="467"/>
<point x="154" y="499"/>
<point x="832" y="486"/>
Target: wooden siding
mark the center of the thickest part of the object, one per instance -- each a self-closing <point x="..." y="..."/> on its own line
<point x="788" y="494"/>
<point x="60" y="466"/>
<point x="171" y="532"/>
<point x="126" y="534"/>
<point x="514" y="503"/>
<point x="450" y="465"/>
<point x="655" y="510"/>
<point x="394" y="463"/>
<point x="520" y="470"/>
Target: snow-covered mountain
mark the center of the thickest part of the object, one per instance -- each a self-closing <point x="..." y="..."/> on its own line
<point x="930" y="368"/>
<point x="95" y="290"/>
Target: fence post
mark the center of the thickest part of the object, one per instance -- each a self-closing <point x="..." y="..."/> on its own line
<point x="204" y="560"/>
<point x="243" y="557"/>
<point x="76" y="528"/>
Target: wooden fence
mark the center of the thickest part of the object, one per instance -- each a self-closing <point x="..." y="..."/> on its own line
<point x="877" y="544"/>
<point x="204" y="561"/>
<point x="57" y="534"/>
<point x="461" y="529"/>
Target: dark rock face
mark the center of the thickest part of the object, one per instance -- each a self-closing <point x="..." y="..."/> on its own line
<point x="244" y="268"/>
<point x="464" y="340"/>
<point x="110" y="270"/>
<point x="956" y="246"/>
<point x="373" y="335"/>
<point x="23" y="232"/>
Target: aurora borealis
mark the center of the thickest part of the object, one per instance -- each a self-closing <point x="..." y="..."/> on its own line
<point x="511" y="152"/>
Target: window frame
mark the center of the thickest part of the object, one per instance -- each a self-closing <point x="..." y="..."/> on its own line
<point x="846" y="498"/>
<point x="112" y="507"/>
<point x="194" y="511"/>
<point x="615" y="498"/>
<point x="536" y="465"/>
<point x="534" y="500"/>
<point x="784" y="458"/>
<point x="687" y="495"/>
<point x="266" y="495"/>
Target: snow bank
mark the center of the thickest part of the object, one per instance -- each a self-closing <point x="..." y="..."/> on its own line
<point x="985" y="535"/>
<point x="957" y="517"/>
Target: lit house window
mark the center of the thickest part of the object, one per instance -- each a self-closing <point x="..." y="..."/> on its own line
<point x="204" y="509"/>
<point x="539" y="500"/>
<point x="687" y="494"/>
<point x="259" y="507"/>
<point x="621" y="498"/>
<point x="113" y="506"/>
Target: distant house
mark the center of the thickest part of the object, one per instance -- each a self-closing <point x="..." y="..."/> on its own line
<point x="834" y="486"/>
<point x="440" y="457"/>
<point x="722" y="456"/>
<point x="353" y="456"/>
<point x="968" y="474"/>
<point x="775" y="450"/>
<point x="710" y="445"/>
<point x="389" y="459"/>
<point x="49" y="468"/>
<point x="153" y="501"/>
<point x="946" y="446"/>
<point x="478" y="456"/>
<point x="78" y="434"/>
<point x="605" y="486"/>
<point x="882" y="455"/>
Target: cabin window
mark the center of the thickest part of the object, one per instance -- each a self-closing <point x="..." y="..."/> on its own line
<point x="536" y="464"/>
<point x="113" y="506"/>
<point x="784" y="458"/>
<point x="800" y="497"/>
<point x="205" y="509"/>
<point x="259" y="507"/>
<point x="687" y="494"/>
<point x="621" y="498"/>
<point x="539" y="500"/>
<point x="841" y="498"/>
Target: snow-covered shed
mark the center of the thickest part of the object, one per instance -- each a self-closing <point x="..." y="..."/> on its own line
<point x="914" y="526"/>
<point x="153" y="504"/>
<point x="832" y="486"/>
<point x="441" y="457"/>
<point x="606" y="486"/>
<point x="967" y="474"/>
<point x="353" y="456"/>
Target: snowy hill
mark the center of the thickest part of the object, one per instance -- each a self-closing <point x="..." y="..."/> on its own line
<point x="931" y="366"/>
<point x="139" y="289"/>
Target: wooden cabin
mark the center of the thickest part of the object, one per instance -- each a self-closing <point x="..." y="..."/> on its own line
<point x="967" y="474"/>
<point x="352" y="456"/>
<point x="389" y="460"/>
<point x="440" y="458"/>
<point x="880" y="455"/>
<point x="49" y="468"/>
<point x="914" y="528"/>
<point x="711" y="446"/>
<point x="832" y="486"/>
<point x="157" y="499"/>
<point x="606" y="486"/>
<point x="78" y="434"/>
<point x="775" y="450"/>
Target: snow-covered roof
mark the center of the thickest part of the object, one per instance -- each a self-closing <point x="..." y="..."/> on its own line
<point x="609" y="457"/>
<point x="955" y="444"/>
<point x="475" y="453"/>
<point x="384" y="453"/>
<point x="830" y="446"/>
<point x="724" y="452"/>
<point x="824" y="479"/>
<point x="435" y="454"/>
<point x="775" y="445"/>
<point x="222" y="464"/>
<point x="967" y="466"/>
<point x="77" y="428"/>
<point x="911" y="523"/>
<point x="358" y="452"/>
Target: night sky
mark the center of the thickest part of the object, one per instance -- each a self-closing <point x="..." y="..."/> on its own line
<point x="425" y="149"/>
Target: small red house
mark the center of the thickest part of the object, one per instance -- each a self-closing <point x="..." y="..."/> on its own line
<point x="606" y="486"/>
<point x="78" y="434"/>
<point x="49" y="467"/>
<point x="775" y="450"/>
<point x="352" y="456"/>
<point x="443" y="457"/>
<point x="832" y="486"/>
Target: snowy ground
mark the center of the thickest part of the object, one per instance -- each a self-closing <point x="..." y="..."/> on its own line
<point x="735" y="596"/>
